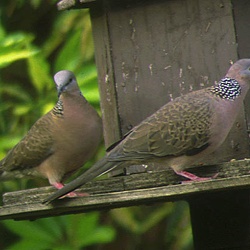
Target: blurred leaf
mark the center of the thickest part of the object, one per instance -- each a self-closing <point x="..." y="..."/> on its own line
<point x="155" y="217"/>
<point x="69" y="58"/>
<point x="8" y="56"/>
<point x="39" y="72"/>
<point x="99" y="234"/>
<point x="63" y="232"/>
<point x="35" y="3"/>
<point x="88" y="83"/>
<point x="15" y="47"/>
<point x="179" y="234"/>
<point x="126" y="217"/>
<point x="14" y="91"/>
<point x="24" y="244"/>
<point x="7" y="142"/>
<point x="61" y="29"/>
<point x="16" y="39"/>
<point x="31" y="234"/>
<point x="21" y="110"/>
<point x="47" y="107"/>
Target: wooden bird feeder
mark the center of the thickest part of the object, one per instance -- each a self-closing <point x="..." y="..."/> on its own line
<point x="148" y="52"/>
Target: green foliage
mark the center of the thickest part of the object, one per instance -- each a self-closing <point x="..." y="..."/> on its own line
<point x="135" y="221"/>
<point x="71" y="232"/>
<point x="144" y="224"/>
<point x="15" y="47"/>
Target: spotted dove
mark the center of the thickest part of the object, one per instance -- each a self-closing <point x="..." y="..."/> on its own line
<point x="180" y="133"/>
<point x="61" y="141"/>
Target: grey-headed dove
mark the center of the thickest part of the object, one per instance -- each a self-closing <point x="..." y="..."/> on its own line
<point x="61" y="141"/>
<point x="180" y="133"/>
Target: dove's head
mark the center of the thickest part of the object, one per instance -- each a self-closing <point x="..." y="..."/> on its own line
<point x="240" y="71"/>
<point x="65" y="81"/>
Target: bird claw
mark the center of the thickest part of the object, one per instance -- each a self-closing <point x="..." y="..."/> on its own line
<point x="193" y="177"/>
<point x="59" y="185"/>
<point x="74" y="194"/>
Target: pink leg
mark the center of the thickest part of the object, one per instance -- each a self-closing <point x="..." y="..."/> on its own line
<point x="193" y="177"/>
<point x="59" y="185"/>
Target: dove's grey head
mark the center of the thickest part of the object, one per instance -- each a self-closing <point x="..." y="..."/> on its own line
<point x="65" y="80"/>
<point x="240" y="71"/>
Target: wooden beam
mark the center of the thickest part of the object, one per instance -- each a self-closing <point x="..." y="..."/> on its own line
<point x="123" y="191"/>
<point x="75" y="4"/>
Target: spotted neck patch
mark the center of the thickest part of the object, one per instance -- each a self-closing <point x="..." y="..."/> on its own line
<point x="58" y="108"/>
<point x="228" y="88"/>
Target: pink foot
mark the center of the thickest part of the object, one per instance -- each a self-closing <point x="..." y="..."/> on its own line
<point x="193" y="177"/>
<point x="59" y="185"/>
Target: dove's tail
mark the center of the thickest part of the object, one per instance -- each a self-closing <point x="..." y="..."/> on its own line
<point x="99" y="168"/>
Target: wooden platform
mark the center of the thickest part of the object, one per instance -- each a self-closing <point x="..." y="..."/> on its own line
<point x="123" y="191"/>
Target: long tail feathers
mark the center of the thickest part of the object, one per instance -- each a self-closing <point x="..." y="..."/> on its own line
<point x="99" y="168"/>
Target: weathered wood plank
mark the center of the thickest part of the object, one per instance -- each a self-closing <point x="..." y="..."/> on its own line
<point x="137" y="189"/>
<point x="106" y="78"/>
<point x="75" y="4"/>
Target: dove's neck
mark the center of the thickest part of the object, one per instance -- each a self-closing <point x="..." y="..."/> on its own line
<point x="228" y="88"/>
<point x="58" y="108"/>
